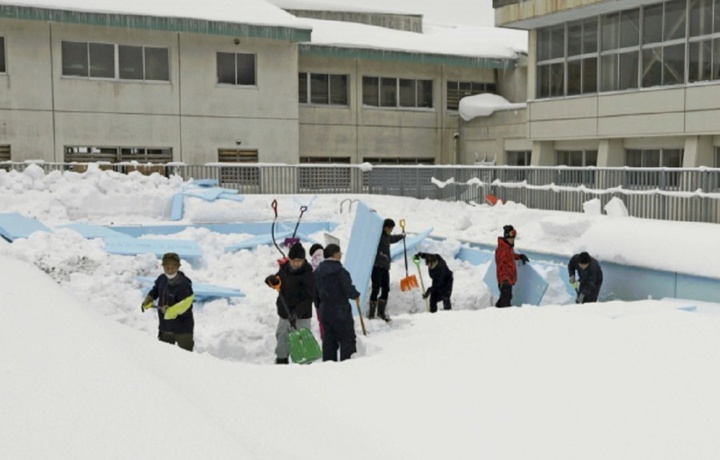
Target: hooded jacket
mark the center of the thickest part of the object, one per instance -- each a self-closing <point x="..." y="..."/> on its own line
<point x="505" y="258"/>
<point x="333" y="289"/>
<point x="176" y="294"/>
<point x="298" y="290"/>
<point x="442" y="278"/>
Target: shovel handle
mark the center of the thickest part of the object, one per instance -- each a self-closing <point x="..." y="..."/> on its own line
<point x="402" y="225"/>
<point x="360" y="315"/>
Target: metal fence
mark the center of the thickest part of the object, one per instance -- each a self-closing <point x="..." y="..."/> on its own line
<point x="655" y="193"/>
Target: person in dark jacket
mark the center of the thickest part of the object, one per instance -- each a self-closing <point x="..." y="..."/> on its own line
<point x="590" y="277"/>
<point x="380" y="276"/>
<point x="442" y="280"/>
<point x="297" y="289"/>
<point x="333" y="289"/>
<point x="174" y="293"/>
<point x="505" y="258"/>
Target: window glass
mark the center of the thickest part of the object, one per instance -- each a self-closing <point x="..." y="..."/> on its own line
<point x="716" y="60"/>
<point x="543" y="81"/>
<point x="610" y="31"/>
<point x="388" y="92"/>
<point x="424" y="93"/>
<point x="633" y="158"/>
<point x="652" y="23"/>
<point x="700" y="61"/>
<point x="700" y="20"/>
<point x="589" y="76"/>
<point x="674" y="64"/>
<point x="557" y="79"/>
<point x="591" y="157"/>
<point x="338" y="90"/>
<point x="3" y="69"/>
<point x="319" y="89"/>
<point x="407" y="93"/>
<point x="75" y="59"/>
<point x="371" y="91"/>
<point x="157" y="64"/>
<point x="652" y="67"/>
<point x="245" y="69"/>
<point x="674" y="23"/>
<point x="716" y="16"/>
<point x="102" y="60"/>
<point x="543" y="44"/>
<point x="302" y="88"/>
<point x="651" y="158"/>
<point x="629" y="28"/>
<point x="609" y="77"/>
<point x="590" y="32"/>
<point x="575" y="38"/>
<point x="130" y="62"/>
<point x="672" y="158"/>
<point x="574" y="75"/>
<point x="628" y="70"/>
<point x="557" y="41"/>
<point x="226" y="68"/>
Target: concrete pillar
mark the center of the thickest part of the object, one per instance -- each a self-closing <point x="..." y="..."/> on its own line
<point x="698" y="152"/>
<point x="543" y="153"/>
<point x="611" y="153"/>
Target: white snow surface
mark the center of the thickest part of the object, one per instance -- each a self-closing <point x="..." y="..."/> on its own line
<point x="82" y="375"/>
<point x="484" y="105"/>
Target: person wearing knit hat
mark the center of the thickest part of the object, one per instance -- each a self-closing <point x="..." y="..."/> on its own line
<point x="380" y="276"/>
<point x="590" y="277"/>
<point x="295" y="285"/>
<point x="505" y="258"/>
<point x="317" y="255"/>
<point x="174" y="293"/>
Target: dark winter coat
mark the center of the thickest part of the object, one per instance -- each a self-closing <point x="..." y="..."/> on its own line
<point x="505" y="258"/>
<point x="442" y="279"/>
<point x="382" y="258"/>
<point x="298" y="290"/>
<point x="333" y="289"/>
<point x="590" y="279"/>
<point x="169" y="292"/>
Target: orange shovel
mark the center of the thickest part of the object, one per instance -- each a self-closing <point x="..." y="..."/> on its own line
<point x="409" y="282"/>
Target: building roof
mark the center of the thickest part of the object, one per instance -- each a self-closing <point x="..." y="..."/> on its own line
<point x="250" y="18"/>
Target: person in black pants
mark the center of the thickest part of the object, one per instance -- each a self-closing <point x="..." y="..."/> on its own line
<point x="333" y="288"/>
<point x="442" y="280"/>
<point x="590" y="277"/>
<point x="381" y="271"/>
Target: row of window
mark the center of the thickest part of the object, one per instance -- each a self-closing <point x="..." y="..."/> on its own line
<point x="634" y="158"/>
<point x="670" y="43"/>
<point x="332" y="89"/>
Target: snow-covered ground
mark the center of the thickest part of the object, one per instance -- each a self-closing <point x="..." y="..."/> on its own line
<point x="82" y="375"/>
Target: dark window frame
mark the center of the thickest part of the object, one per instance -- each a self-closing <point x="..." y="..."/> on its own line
<point x="240" y="76"/>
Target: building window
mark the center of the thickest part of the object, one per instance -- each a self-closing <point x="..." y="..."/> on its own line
<point x="239" y="174"/>
<point x="576" y="158"/>
<point x="654" y="158"/>
<point x="717" y="156"/>
<point x="518" y="158"/>
<point x="143" y="63"/>
<point x="84" y="154"/>
<point x="457" y="90"/>
<point x="5" y="153"/>
<point x="3" y="68"/>
<point x="397" y="92"/>
<point x="323" y="89"/>
<point x="236" y="69"/>
<point x="97" y="60"/>
<point x="399" y="161"/>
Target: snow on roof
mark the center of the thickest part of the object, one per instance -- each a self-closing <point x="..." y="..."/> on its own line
<point x="483" y="105"/>
<point x="257" y="12"/>
<point x="484" y="42"/>
<point x="310" y="5"/>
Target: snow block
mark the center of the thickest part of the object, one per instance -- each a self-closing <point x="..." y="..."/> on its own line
<point x="362" y="247"/>
<point x="475" y="256"/>
<point x="411" y="242"/>
<point x="529" y="289"/>
<point x="90" y="231"/>
<point x="207" y="194"/>
<point x="205" y="182"/>
<point x="203" y="292"/>
<point x="14" y="225"/>
<point x="186" y="249"/>
<point x="177" y="207"/>
<point x="262" y="240"/>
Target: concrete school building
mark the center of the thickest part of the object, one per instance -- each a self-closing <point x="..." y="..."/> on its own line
<point x="631" y="83"/>
<point x="236" y="81"/>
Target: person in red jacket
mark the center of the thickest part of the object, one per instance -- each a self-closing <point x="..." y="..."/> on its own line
<point x="505" y="258"/>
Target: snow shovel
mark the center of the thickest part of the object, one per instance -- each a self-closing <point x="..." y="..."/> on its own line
<point x="416" y="261"/>
<point x="360" y="315"/>
<point x="291" y="241"/>
<point x="304" y="349"/>
<point x="409" y="282"/>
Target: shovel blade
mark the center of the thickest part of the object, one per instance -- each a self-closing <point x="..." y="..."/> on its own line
<point x="408" y="283"/>
<point x="290" y="242"/>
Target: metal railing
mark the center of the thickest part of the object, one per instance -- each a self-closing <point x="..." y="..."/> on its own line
<point x="656" y="193"/>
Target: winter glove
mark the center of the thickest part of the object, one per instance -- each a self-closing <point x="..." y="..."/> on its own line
<point x="427" y="294"/>
<point x="524" y="259"/>
<point x="147" y="303"/>
<point x="292" y="317"/>
<point x="572" y="280"/>
<point x="273" y="281"/>
<point x="580" y="298"/>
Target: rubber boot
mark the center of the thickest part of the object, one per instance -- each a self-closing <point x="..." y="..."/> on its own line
<point x="373" y="307"/>
<point x="282" y="360"/>
<point x="381" y="310"/>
